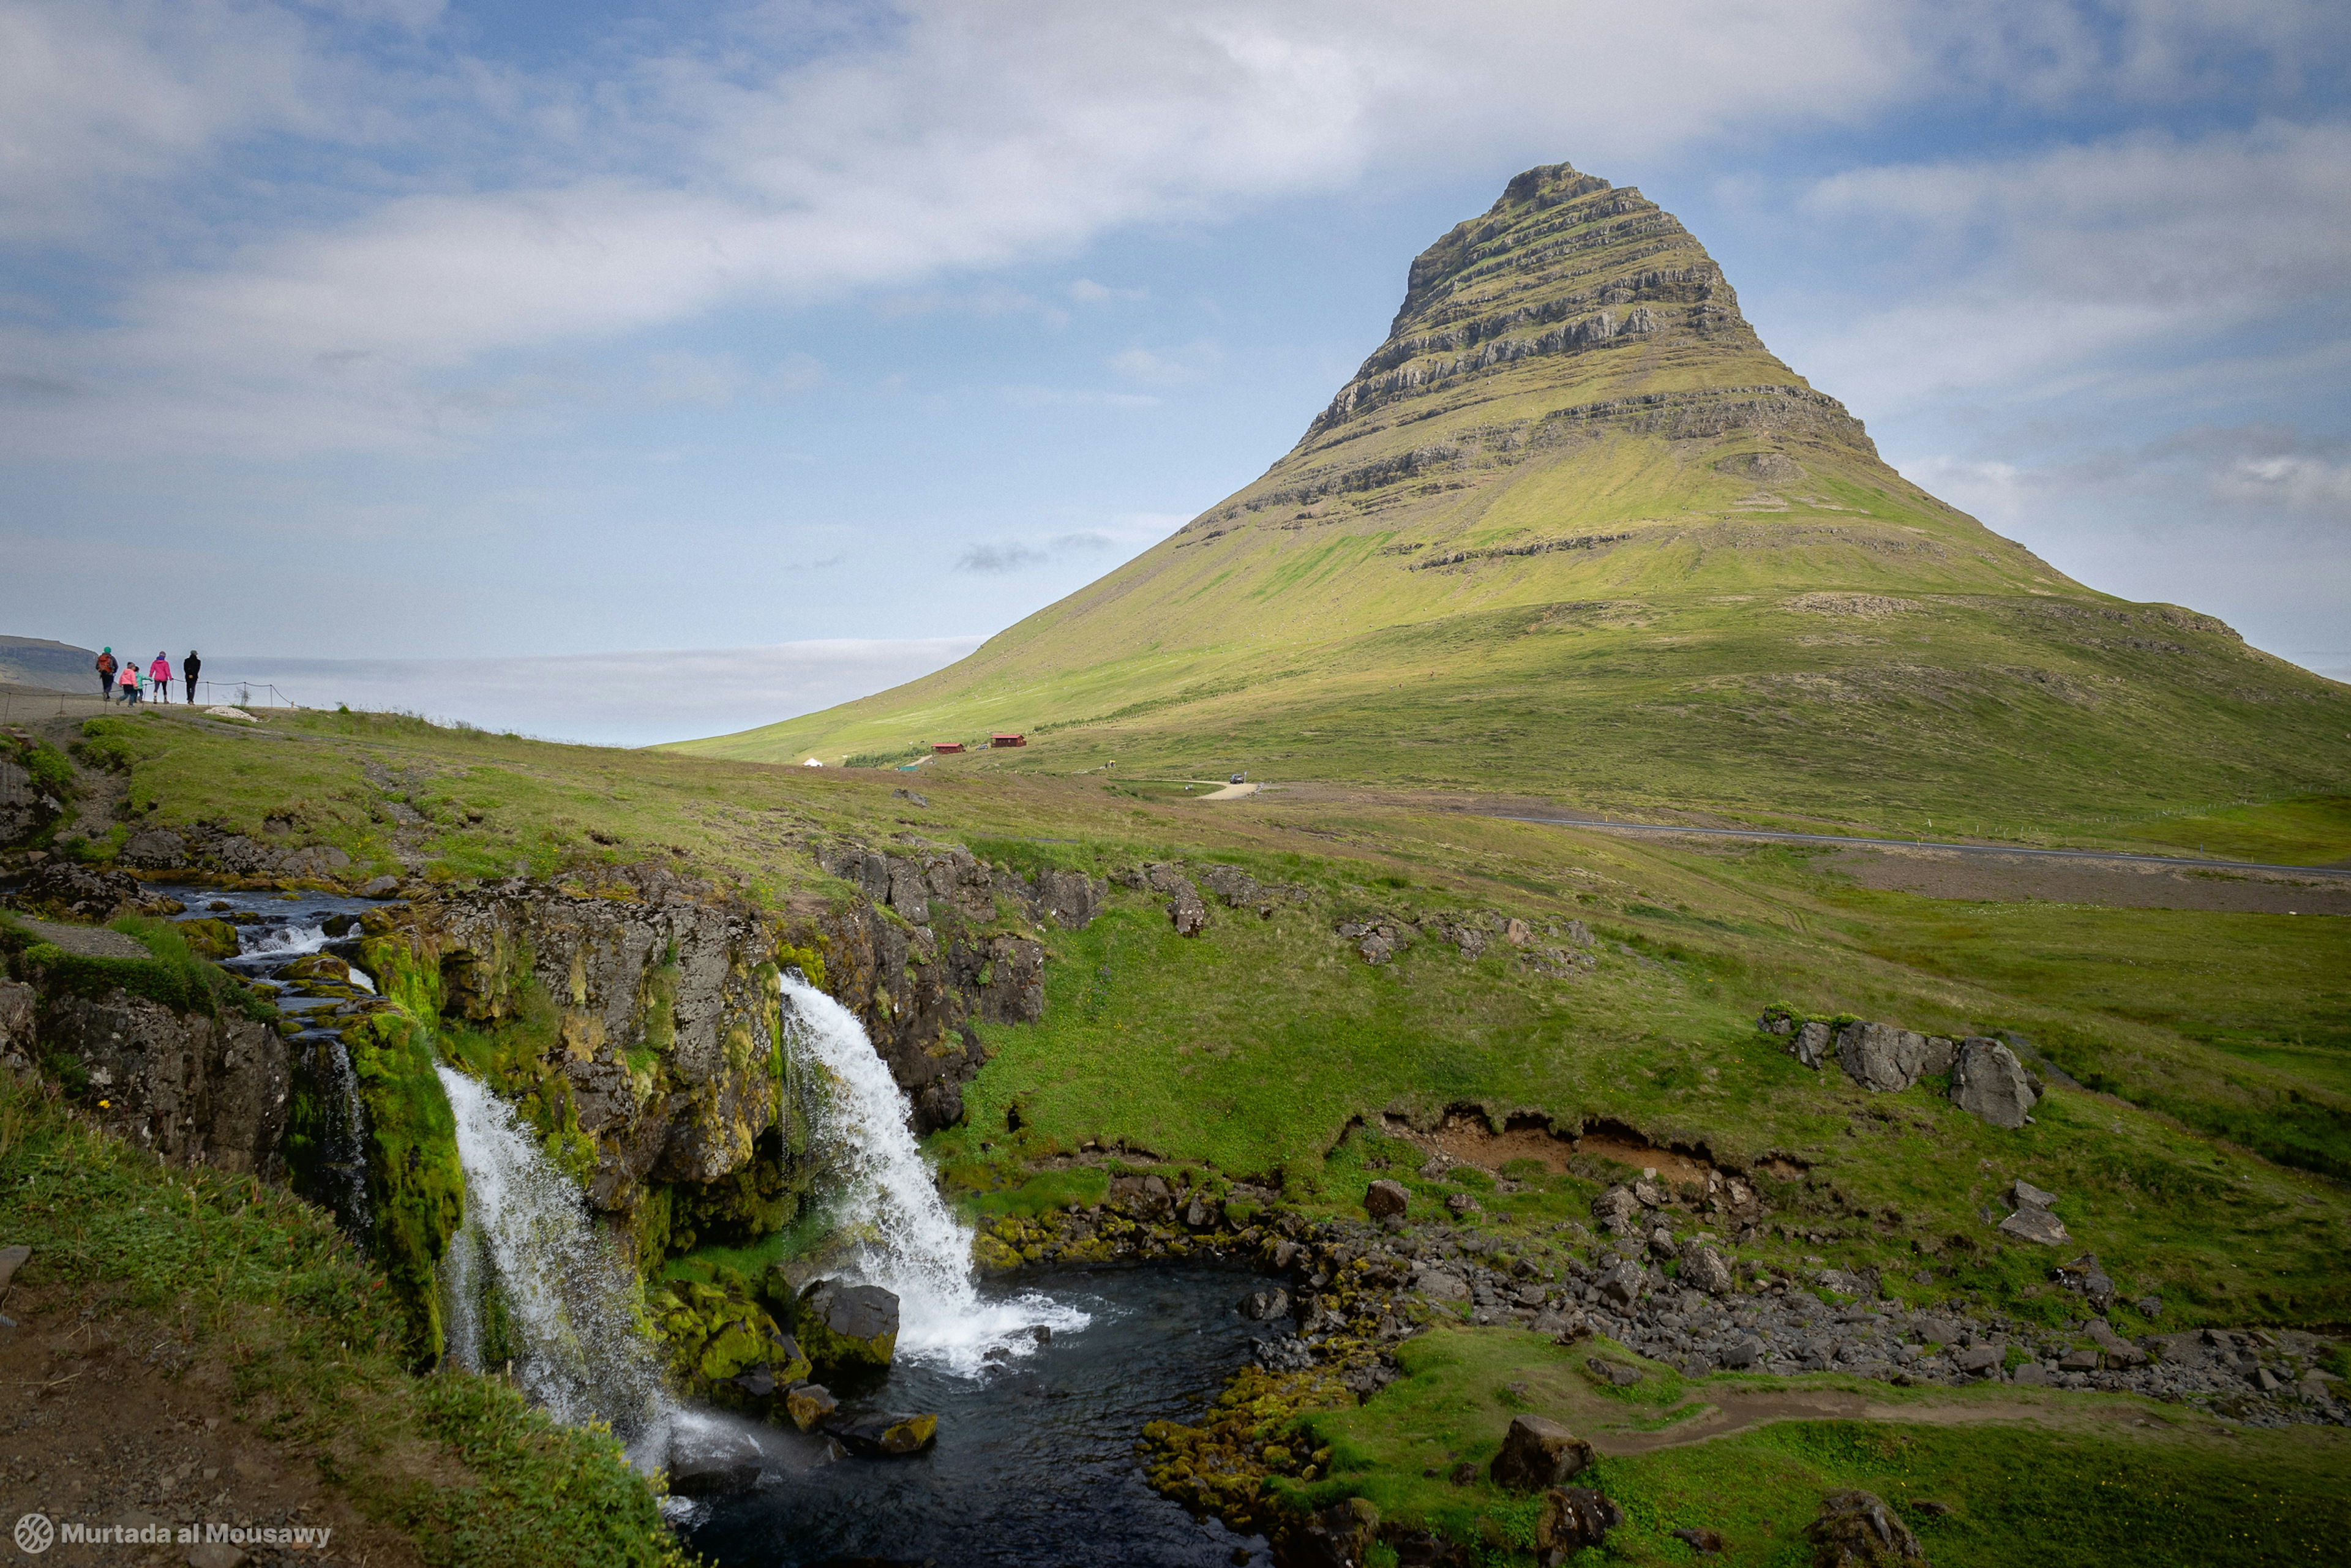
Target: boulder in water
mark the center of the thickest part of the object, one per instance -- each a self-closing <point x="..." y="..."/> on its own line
<point x="842" y="1326"/>
<point x="711" y="1460"/>
<point x="807" y="1404"/>
<point x="886" y="1434"/>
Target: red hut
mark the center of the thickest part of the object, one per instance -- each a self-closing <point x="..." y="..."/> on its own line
<point x="1006" y="738"/>
<point x="942" y="747"/>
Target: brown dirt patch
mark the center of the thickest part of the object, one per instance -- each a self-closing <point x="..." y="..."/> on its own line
<point x="2117" y="884"/>
<point x="1465" y="1138"/>
<point x="111" y="1417"/>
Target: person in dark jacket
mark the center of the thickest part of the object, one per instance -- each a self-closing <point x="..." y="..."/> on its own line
<point x="106" y="668"/>
<point x="188" y="668"/>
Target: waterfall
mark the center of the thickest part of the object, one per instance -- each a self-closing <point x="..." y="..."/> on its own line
<point x="344" y="1170"/>
<point x="903" y="1237"/>
<point x="567" y="1303"/>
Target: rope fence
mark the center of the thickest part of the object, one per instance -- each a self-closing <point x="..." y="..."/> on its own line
<point x="46" y="702"/>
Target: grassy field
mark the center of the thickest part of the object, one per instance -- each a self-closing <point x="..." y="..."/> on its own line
<point x="2039" y="1477"/>
<point x="2203" y="1162"/>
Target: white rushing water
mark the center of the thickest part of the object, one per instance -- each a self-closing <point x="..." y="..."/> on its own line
<point x="570" y="1304"/>
<point x="290" y="941"/>
<point x="904" y="1239"/>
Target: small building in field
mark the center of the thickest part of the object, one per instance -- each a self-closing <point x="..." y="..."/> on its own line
<point x="1007" y="737"/>
<point x="942" y="747"/>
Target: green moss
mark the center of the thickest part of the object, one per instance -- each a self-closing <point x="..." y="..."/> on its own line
<point x="416" y="1185"/>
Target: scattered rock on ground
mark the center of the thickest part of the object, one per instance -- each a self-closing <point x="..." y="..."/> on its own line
<point x="1538" y="1452"/>
<point x="1989" y="1081"/>
<point x="1387" y="1197"/>
<point x="1857" y="1529"/>
<point x="1704" y="1268"/>
<point x="1573" y="1518"/>
<point x="2035" y="1225"/>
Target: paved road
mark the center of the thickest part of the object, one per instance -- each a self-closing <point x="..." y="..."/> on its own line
<point x="1980" y="850"/>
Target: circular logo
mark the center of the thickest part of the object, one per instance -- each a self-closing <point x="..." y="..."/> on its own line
<point x="36" y="1534"/>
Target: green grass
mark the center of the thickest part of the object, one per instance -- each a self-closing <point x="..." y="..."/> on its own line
<point x="2077" y="1486"/>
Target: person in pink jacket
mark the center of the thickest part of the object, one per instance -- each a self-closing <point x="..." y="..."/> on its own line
<point x="159" y="675"/>
<point x="128" y="680"/>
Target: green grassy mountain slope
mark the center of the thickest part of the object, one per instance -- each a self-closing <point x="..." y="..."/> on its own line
<point x="1575" y="531"/>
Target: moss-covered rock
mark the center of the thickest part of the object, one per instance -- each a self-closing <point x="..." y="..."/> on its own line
<point x="724" y="1346"/>
<point x="416" y="1188"/>
<point x="213" y="939"/>
<point x="846" y="1328"/>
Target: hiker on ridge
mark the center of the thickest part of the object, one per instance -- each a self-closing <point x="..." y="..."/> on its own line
<point x="188" y="667"/>
<point x="128" y="681"/>
<point x="106" y="667"/>
<point x="159" y="675"/>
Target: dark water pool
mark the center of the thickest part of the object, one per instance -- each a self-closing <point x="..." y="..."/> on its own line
<point x="1036" y="1462"/>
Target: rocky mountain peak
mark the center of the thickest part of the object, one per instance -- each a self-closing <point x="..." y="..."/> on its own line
<point x="1564" y="263"/>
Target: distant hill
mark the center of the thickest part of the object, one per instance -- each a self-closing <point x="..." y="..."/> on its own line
<point x="37" y="661"/>
<point x="1573" y="531"/>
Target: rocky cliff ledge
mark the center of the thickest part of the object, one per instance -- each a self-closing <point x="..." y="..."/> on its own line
<point x="631" y="1014"/>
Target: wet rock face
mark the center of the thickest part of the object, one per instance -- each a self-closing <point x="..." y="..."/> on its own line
<point x="25" y="806"/>
<point x="67" y="891"/>
<point x="192" y="1088"/>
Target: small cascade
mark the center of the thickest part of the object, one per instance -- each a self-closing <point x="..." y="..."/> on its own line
<point x="903" y="1237"/>
<point x="528" y="1258"/>
<point x="341" y="1176"/>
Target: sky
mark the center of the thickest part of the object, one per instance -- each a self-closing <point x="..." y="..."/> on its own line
<point x="624" y="373"/>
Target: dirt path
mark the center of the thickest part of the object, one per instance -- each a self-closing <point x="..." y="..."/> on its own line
<point x="1231" y="792"/>
<point x="109" y="1417"/>
<point x="1740" y="1410"/>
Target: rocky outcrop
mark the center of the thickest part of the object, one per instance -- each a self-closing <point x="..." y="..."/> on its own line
<point x="1885" y="1059"/>
<point x="196" y="1090"/>
<point x="1986" y="1078"/>
<point x="26" y="806"/>
<point x="1538" y="1452"/>
<point x="1988" y="1081"/>
<point x="68" y="890"/>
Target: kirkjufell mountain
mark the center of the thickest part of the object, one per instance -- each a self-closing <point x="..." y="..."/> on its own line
<point x="1573" y="531"/>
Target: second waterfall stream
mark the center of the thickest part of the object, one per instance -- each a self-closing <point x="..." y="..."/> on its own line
<point x="884" y="1197"/>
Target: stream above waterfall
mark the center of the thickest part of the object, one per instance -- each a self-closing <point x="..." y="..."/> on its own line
<point x="1035" y="1463"/>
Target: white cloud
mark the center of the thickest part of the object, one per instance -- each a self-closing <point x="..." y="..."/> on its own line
<point x="540" y="216"/>
<point x="1173" y="367"/>
<point x="2037" y="276"/>
<point x="1086" y="291"/>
